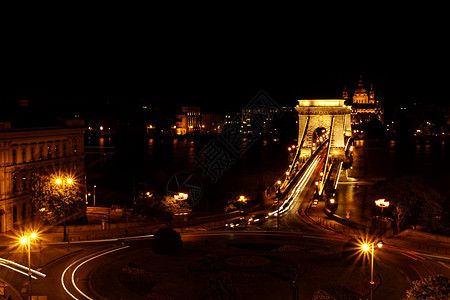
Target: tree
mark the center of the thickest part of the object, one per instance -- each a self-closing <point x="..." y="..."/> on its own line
<point x="412" y="202"/>
<point x="432" y="287"/>
<point x="237" y="203"/>
<point x="167" y="241"/>
<point x="56" y="197"/>
<point x="151" y="205"/>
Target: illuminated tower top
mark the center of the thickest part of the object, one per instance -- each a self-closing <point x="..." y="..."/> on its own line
<point x="360" y="96"/>
<point x="344" y="93"/>
<point x="371" y="95"/>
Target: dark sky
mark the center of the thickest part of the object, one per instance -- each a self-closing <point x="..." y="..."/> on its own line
<point x="208" y="62"/>
<point x="233" y="81"/>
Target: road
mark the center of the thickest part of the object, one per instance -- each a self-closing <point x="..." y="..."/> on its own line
<point x="90" y="270"/>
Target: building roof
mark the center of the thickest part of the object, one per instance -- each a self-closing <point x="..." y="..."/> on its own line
<point x="360" y="89"/>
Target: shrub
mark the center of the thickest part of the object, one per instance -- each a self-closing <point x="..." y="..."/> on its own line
<point x="167" y="241"/>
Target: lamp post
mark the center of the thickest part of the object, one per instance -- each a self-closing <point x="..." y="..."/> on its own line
<point x="94" y="195"/>
<point x="382" y="203"/>
<point x="278" y="203"/>
<point x="62" y="184"/>
<point x="367" y="248"/>
<point x="26" y="240"/>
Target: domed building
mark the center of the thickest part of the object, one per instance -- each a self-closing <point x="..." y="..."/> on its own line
<point x="365" y="108"/>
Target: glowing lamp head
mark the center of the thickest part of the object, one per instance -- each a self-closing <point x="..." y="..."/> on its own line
<point x="331" y="200"/>
<point x="380" y="244"/>
<point x="58" y="181"/>
<point x="279" y="182"/>
<point x="69" y="180"/>
<point x="24" y="240"/>
<point x="365" y="247"/>
<point x="33" y="235"/>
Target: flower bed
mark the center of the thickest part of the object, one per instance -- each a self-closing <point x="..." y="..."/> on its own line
<point x="138" y="280"/>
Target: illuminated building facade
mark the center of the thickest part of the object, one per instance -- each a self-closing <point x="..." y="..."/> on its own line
<point x="365" y="108"/>
<point x="191" y="121"/>
<point x="26" y="152"/>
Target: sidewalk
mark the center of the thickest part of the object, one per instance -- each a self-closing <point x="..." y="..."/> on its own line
<point x="427" y="243"/>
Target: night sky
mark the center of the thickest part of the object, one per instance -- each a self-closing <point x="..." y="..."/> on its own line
<point x="203" y="63"/>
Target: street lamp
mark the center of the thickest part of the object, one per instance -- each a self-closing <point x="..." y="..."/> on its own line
<point x="370" y="248"/>
<point x="62" y="184"/>
<point x="278" y="203"/>
<point x="93" y="200"/>
<point x="26" y="240"/>
<point x="382" y="203"/>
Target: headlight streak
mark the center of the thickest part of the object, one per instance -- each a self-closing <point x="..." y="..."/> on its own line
<point x="18" y="271"/>
<point x="338" y="174"/>
<point x="25" y="268"/>
<point x="92" y="256"/>
<point x="299" y="186"/>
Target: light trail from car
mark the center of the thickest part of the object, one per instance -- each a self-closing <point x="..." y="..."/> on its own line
<point x="298" y="188"/>
<point x="86" y="259"/>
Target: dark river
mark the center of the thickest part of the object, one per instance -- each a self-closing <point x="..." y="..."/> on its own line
<point x="154" y="164"/>
<point x="375" y="160"/>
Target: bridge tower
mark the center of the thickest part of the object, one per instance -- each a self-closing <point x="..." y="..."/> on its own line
<point x="331" y="114"/>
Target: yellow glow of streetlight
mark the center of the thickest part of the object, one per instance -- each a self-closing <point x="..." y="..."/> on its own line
<point x="365" y="247"/>
<point x="382" y="203"/>
<point x="58" y="181"/>
<point x="24" y="240"/>
<point x="33" y="235"/>
<point x="279" y="182"/>
<point x="332" y="201"/>
<point x="69" y="180"/>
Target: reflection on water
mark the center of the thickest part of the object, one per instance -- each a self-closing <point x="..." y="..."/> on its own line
<point x="378" y="160"/>
<point x="150" y="164"/>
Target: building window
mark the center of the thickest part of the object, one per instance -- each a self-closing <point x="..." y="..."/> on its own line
<point x="64" y="150"/>
<point x="32" y="153"/>
<point x="49" y="150"/>
<point x="14" y="157"/>
<point x="24" y="156"/>
<point x="41" y="153"/>
<point x="24" y="182"/>
<point x="75" y="165"/>
<point x="24" y="212"/>
<point x="56" y="151"/>
<point x="14" y="183"/>
<point x="14" y="214"/>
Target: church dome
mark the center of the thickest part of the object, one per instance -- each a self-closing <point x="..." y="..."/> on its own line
<point x="360" y="89"/>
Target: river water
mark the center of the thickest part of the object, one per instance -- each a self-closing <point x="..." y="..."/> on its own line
<point x="153" y="164"/>
<point x="376" y="160"/>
